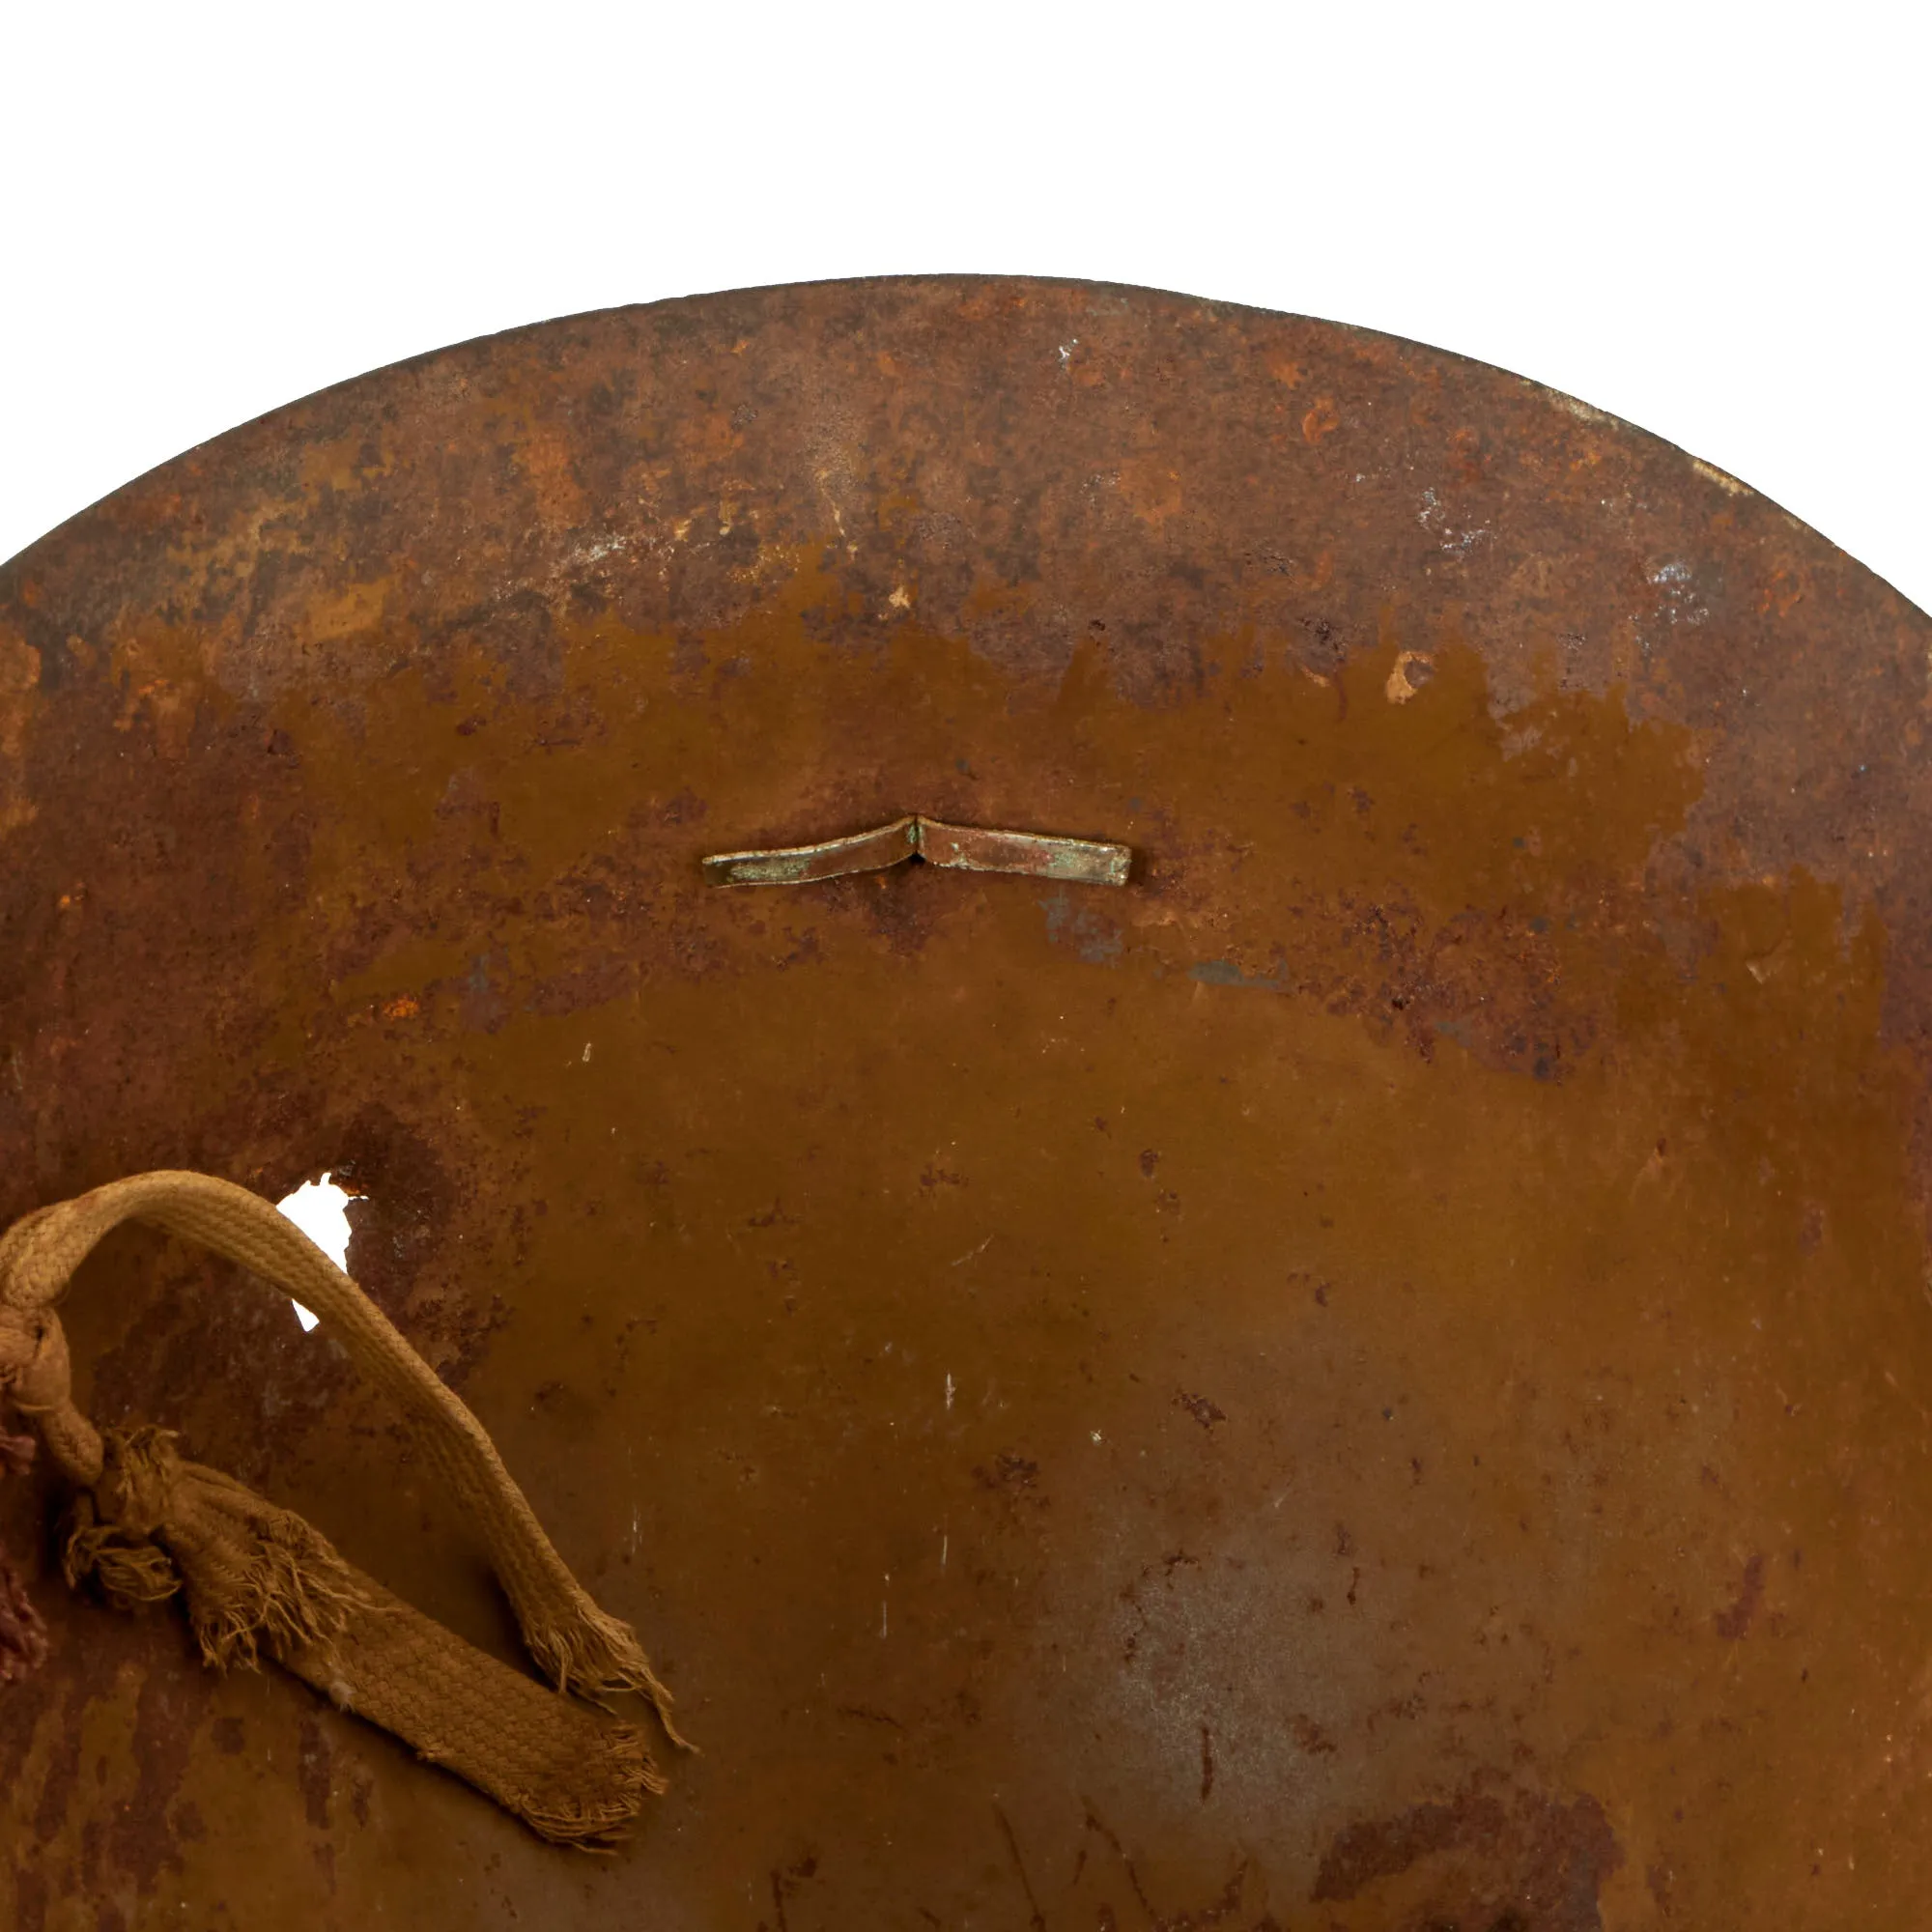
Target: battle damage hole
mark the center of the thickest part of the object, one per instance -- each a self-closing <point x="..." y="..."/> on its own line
<point x="319" y="1209"/>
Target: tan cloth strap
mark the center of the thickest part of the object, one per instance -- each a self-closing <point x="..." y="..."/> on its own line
<point x="254" y="1576"/>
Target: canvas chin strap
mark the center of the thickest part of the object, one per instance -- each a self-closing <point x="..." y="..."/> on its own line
<point x="148" y="1524"/>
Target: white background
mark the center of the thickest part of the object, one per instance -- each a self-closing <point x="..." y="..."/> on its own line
<point x="1710" y="218"/>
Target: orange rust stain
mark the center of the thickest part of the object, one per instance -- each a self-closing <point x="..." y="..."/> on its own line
<point x="991" y="599"/>
<point x="1323" y="419"/>
<point x="352" y="612"/>
<point x="705" y="435"/>
<point x="1150" y="488"/>
<point x="350" y="463"/>
<point x="546" y="459"/>
<point x="19" y="682"/>
<point x="164" y="677"/>
<point x="1411" y="671"/>
<point x="1782" y="591"/>
<point x="897" y="508"/>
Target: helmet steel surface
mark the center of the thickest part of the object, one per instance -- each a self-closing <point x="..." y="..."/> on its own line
<point x="1375" y="1377"/>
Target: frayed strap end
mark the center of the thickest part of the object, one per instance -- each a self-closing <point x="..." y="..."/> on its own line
<point x="131" y="1571"/>
<point x="598" y="1656"/>
<point x="615" y="1780"/>
<point x="284" y="1586"/>
<point x="254" y="1576"/>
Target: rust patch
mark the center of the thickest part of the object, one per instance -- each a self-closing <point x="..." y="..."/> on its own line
<point x="1735" y="1623"/>
<point x="1204" y="1412"/>
<point x="1505" y="1864"/>
<point x="1509" y="1101"/>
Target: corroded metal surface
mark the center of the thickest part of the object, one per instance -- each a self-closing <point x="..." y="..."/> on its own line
<point x="1375" y="1378"/>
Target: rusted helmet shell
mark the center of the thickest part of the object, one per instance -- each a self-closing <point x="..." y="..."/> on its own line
<point x="1374" y="1376"/>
